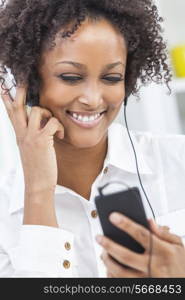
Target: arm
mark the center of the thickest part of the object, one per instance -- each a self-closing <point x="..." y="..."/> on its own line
<point x="40" y="250"/>
<point x="40" y="247"/>
<point x="39" y="208"/>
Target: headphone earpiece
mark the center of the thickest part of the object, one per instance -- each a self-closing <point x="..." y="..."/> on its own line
<point x="125" y="101"/>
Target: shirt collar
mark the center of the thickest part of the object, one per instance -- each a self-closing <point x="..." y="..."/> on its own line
<point x="119" y="154"/>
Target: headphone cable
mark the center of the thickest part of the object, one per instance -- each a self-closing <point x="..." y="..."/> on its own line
<point x="136" y="160"/>
<point x="140" y="181"/>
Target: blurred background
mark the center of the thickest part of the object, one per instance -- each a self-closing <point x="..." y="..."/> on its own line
<point x="156" y="111"/>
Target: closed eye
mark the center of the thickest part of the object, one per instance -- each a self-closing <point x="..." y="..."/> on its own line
<point x="73" y="79"/>
<point x="70" y="78"/>
<point x="114" y="79"/>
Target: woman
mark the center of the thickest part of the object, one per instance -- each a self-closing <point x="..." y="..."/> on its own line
<point x="75" y="62"/>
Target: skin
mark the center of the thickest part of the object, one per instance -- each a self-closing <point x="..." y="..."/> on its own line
<point x="83" y="147"/>
<point x="168" y="252"/>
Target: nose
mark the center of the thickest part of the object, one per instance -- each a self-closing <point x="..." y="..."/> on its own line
<point x="91" y="96"/>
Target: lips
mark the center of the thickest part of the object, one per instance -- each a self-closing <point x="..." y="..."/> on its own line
<point x="86" y="113"/>
<point x="83" y="120"/>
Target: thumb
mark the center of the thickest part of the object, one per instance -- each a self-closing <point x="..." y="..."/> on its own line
<point x="60" y="131"/>
<point x="153" y="226"/>
<point x="60" y="134"/>
<point x="54" y="127"/>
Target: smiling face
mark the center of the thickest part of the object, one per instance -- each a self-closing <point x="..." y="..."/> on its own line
<point x="83" y="82"/>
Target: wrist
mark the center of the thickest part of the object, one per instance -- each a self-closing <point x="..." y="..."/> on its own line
<point x="38" y="189"/>
<point x="39" y="208"/>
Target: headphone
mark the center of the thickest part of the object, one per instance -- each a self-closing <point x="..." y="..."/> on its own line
<point x="141" y="184"/>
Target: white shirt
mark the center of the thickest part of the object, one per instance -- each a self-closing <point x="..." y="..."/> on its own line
<point x="41" y="251"/>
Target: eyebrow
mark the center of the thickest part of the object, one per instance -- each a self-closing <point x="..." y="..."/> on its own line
<point x="81" y="66"/>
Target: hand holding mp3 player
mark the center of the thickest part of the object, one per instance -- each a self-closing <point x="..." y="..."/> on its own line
<point x="127" y="202"/>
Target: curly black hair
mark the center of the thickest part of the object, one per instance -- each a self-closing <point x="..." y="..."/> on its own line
<point x="27" y="26"/>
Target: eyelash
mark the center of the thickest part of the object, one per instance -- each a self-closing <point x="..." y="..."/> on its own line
<point x="74" y="79"/>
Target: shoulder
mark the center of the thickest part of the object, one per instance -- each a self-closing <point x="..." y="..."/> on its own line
<point x="168" y="146"/>
<point x="148" y="140"/>
<point x="160" y="138"/>
<point x="164" y="150"/>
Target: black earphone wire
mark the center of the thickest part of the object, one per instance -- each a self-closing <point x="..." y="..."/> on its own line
<point x="136" y="160"/>
<point x="140" y="181"/>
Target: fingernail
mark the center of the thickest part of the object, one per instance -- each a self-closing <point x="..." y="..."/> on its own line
<point x="61" y="135"/>
<point x="165" y="228"/>
<point x="116" y="218"/>
<point x="99" y="239"/>
<point x="43" y="121"/>
<point x="154" y="223"/>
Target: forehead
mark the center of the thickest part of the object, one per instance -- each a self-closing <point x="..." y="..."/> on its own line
<point x="98" y="42"/>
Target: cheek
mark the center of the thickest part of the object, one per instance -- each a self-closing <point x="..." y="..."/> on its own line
<point x="54" y="96"/>
<point x="116" y="98"/>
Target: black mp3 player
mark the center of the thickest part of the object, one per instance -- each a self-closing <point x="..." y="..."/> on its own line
<point x="127" y="202"/>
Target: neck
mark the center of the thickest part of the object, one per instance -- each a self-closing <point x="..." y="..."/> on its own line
<point x="79" y="167"/>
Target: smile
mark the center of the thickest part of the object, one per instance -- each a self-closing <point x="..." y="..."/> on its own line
<point x="86" y="121"/>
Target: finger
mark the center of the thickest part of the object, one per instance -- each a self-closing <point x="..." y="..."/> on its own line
<point x="135" y="230"/>
<point x="20" y="97"/>
<point x="28" y="110"/>
<point x="124" y="255"/>
<point x="5" y="90"/>
<point x="19" y="104"/>
<point x="165" y="235"/>
<point x="15" y="109"/>
<point x="53" y="127"/>
<point x="7" y="101"/>
<point x="165" y="228"/>
<point x="118" y="271"/>
<point x="110" y="275"/>
<point x="155" y="228"/>
<point x="36" y="116"/>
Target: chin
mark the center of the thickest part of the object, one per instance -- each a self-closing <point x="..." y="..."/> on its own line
<point x="82" y="143"/>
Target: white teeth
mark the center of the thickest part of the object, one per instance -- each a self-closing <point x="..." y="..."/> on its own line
<point x="85" y="118"/>
<point x="92" y="118"/>
<point x="75" y="116"/>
